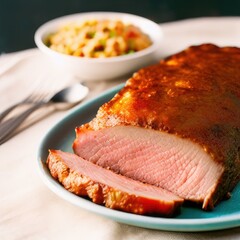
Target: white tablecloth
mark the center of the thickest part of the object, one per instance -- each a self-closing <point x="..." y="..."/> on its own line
<point x="28" y="209"/>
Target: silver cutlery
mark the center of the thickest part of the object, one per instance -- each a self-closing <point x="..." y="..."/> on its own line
<point x="62" y="100"/>
<point x="40" y="91"/>
<point x="34" y="97"/>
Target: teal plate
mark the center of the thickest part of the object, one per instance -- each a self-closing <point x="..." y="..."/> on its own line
<point x="225" y="215"/>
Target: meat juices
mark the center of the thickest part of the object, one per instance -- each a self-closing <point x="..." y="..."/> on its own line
<point x="175" y="125"/>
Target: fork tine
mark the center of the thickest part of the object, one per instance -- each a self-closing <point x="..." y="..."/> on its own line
<point x="36" y="97"/>
<point x="29" y="99"/>
<point x="37" y="92"/>
<point x="44" y="91"/>
<point x="41" y="91"/>
<point x="25" y="100"/>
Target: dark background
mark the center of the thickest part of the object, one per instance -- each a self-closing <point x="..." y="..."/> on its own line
<point x="20" y="18"/>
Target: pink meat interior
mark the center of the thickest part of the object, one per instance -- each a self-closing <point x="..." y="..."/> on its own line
<point x="178" y="165"/>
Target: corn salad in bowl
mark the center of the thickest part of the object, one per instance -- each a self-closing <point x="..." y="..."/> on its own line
<point x="100" y="45"/>
<point x="98" y="39"/>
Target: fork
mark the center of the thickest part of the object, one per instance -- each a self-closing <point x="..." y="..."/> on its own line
<point x="61" y="100"/>
<point x="38" y="94"/>
<point x="11" y="124"/>
<point x="34" y="97"/>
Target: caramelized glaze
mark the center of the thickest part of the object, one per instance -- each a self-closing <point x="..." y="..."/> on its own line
<point x="194" y="94"/>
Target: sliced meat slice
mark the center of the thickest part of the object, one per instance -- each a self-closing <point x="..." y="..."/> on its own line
<point x="153" y="157"/>
<point x="103" y="186"/>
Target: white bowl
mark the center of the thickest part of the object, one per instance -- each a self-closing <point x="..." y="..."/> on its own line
<point x="102" y="68"/>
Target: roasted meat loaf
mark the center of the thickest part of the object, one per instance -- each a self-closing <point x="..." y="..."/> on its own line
<point x="175" y="125"/>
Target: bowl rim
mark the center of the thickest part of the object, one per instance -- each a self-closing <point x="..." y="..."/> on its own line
<point x="42" y="31"/>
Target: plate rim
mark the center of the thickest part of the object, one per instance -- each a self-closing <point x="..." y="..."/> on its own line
<point x="158" y="223"/>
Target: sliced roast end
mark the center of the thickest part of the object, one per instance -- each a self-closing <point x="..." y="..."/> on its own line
<point x="154" y="157"/>
<point x="114" y="191"/>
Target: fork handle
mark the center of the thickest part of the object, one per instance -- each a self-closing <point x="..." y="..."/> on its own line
<point x="9" y="126"/>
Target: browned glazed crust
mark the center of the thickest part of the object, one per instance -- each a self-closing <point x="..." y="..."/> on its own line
<point x="194" y="94"/>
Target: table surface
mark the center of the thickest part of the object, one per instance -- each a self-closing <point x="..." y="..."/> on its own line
<point x="28" y="209"/>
